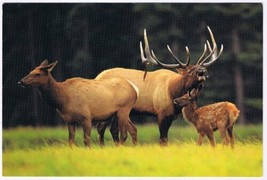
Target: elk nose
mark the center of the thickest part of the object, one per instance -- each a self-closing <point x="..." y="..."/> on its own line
<point x="175" y="101"/>
<point x="20" y="83"/>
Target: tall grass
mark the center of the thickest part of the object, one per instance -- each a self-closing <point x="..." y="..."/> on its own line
<point x="45" y="152"/>
<point x="30" y="137"/>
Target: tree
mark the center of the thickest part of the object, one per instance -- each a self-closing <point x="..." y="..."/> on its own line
<point x="231" y="24"/>
<point x="88" y="38"/>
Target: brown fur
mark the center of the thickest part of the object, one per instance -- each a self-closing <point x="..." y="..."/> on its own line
<point x="83" y="100"/>
<point x="206" y="119"/>
<point x="158" y="91"/>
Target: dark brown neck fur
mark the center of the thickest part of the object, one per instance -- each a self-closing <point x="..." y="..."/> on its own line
<point x="177" y="86"/>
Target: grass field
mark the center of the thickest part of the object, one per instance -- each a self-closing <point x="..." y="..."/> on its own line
<point x="45" y="152"/>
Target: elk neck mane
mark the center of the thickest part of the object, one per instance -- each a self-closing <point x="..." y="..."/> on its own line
<point x="177" y="86"/>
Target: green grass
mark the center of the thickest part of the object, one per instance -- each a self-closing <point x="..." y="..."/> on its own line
<point x="45" y="152"/>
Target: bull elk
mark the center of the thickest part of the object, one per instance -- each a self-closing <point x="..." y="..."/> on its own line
<point x="84" y="100"/>
<point x="209" y="118"/>
<point x="159" y="88"/>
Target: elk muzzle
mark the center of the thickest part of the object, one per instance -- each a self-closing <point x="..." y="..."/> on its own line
<point x="201" y="73"/>
<point x="24" y="82"/>
<point x="21" y="84"/>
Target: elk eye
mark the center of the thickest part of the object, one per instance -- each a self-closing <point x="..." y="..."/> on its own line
<point x="37" y="75"/>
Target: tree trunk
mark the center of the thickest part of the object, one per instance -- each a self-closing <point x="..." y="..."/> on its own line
<point x="238" y="76"/>
<point x="55" y="120"/>
<point x="32" y="56"/>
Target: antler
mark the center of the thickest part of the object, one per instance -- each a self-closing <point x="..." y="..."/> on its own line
<point x="152" y="59"/>
<point x="213" y="52"/>
<point x="179" y="63"/>
<point x="149" y="59"/>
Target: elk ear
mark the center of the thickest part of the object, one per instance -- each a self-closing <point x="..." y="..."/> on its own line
<point x="44" y="63"/>
<point x="51" y="66"/>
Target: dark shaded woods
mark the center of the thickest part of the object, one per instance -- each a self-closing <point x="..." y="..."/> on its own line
<point x="88" y="38"/>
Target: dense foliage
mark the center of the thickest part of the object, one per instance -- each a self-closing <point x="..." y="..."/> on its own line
<point x="88" y="38"/>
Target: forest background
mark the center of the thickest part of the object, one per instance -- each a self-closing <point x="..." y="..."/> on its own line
<point x="87" y="38"/>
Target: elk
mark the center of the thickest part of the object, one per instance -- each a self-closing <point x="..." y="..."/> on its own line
<point x="159" y="88"/>
<point x="209" y="118"/>
<point x="79" y="100"/>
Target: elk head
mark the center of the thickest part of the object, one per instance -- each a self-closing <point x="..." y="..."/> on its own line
<point x="39" y="76"/>
<point x="195" y="72"/>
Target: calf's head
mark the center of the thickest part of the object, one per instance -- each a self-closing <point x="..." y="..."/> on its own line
<point x="189" y="97"/>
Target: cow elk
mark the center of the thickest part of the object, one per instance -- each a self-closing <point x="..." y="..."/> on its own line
<point x="209" y="118"/>
<point x="159" y="88"/>
<point x="84" y="100"/>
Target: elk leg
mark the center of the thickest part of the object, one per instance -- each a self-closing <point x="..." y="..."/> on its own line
<point x="225" y="140"/>
<point x="122" y="122"/>
<point x="132" y="130"/>
<point x="200" y="139"/>
<point x="71" y="128"/>
<point x="164" y="126"/>
<point x="211" y="138"/>
<point x="87" y="126"/>
<point x="231" y="135"/>
<point x="114" y="130"/>
<point x="101" y="128"/>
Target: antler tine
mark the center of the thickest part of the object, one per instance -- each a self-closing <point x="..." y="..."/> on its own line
<point x="142" y="53"/>
<point x="213" y="53"/>
<point x="210" y="54"/>
<point x="169" y="66"/>
<point x="187" y="55"/>
<point x="149" y="59"/>
<point x="179" y="63"/>
<point x="210" y="49"/>
<point x="214" y="59"/>
<point x="144" y="60"/>
<point x="177" y="60"/>
<point x="203" y="54"/>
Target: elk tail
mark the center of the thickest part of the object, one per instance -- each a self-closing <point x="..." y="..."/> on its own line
<point x="233" y="112"/>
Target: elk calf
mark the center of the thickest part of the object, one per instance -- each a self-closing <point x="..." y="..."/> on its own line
<point x="209" y="118"/>
<point x="83" y="100"/>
